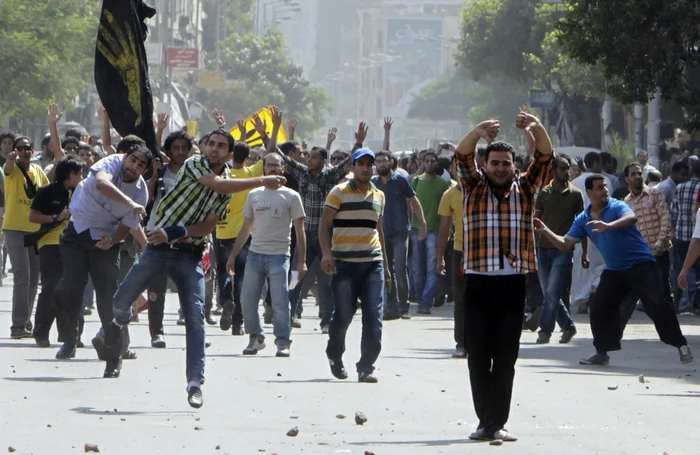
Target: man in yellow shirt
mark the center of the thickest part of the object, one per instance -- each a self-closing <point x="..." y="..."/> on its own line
<point x="451" y="210"/>
<point x="22" y="180"/>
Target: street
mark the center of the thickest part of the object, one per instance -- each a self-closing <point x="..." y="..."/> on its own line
<point x="421" y="405"/>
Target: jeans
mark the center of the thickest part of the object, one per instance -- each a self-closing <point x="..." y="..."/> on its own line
<point x="493" y="324"/>
<point x="353" y="280"/>
<point x="51" y="271"/>
<point x="230" y="288"/>
<point x="680" y="250"/>
<point x="397" y="255"/>
<point x="89" y="295"/>
<point x="553" y="267"/>
<point x="425" y="274"/>
<point x="325" y="299"/>
<point x="643" y="280"/>
<point x="25" y="265"/>
<point x="156" y="304"/>
<point x="458" y="283"/>
<point x="80" y="258"/>
<point x="184" y="266"/>
<point x="275" y="269"/>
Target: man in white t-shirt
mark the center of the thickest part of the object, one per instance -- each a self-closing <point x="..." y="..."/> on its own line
<point x="269" y="215"/>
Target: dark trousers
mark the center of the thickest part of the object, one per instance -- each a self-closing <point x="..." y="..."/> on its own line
<point x="493" y="324"/>
<point x="606" y="317"/>
<point x="534" y="298"/>
<point x="397" y="258"/>
<point x="156" y="304"/>
<point x="80" y="258"/>
<point x="663" y="269"/>
<point x="51" y="270"/>
<point x="230" y="288"/>
<point x="458" y="282"/>
<point x="325" y="294"/>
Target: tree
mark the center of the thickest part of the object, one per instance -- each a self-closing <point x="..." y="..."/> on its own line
<point x="47" y="49"/>
<point x="640" y="45"/>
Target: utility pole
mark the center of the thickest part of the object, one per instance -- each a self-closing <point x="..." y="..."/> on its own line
<point x="654" y="128"/>
<point x="218" y="33"/>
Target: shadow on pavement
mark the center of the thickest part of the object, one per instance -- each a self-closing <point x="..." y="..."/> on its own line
<point x="93" y="411"/>
<point x="47" y="379"/>
<point x="443" y="442"/>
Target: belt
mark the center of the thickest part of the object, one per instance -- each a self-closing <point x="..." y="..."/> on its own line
<point x="183" y="247"/>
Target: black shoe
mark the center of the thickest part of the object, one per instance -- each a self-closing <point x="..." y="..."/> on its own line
<point x="337" y="369"/>
<point x="596" y="359"/>
<point x="423" y="310"/>
<point x="194" y="397"/>
<point x="29" y="326"/>
<point x="226" y="318"/>
<point x="439" y="301"/>
<point x="210" y="320"/>
<point x="87" y="311"/>
<point x="66" y="352"/>
<point x="99" y="345"/>
<point x="392" y="315"/>
<point x="18" y="334"/>
<point x="158" y="341"/>
<point x="533" y="322"/>
<point x="113" y="369"/>
<point x="129" y="355"/>
<point x="237" y="330"/>
<point x="181" y="321"/>
<point x="42" y="342"/>
<point x="80" y="344"/>
<point x="369" y="378"/>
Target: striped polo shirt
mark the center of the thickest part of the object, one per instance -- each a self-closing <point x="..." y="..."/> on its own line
<point x="355" y="235"/>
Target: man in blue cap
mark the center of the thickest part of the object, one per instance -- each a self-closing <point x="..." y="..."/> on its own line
<point x="356" y="260"/>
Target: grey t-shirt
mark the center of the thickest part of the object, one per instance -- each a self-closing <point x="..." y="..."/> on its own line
<point x="169" y="179"/>
<point x="272" y="212"/>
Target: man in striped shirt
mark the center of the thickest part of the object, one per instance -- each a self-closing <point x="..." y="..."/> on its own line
<point x="499" y="250"/>
<point x="356" y="260"/>
<point x="184" y="218"/>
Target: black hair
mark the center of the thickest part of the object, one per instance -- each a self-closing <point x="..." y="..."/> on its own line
<point x="614" y="161"/>
<point x="174" y="136"/>
<point x="19" y="138"/>
<point x="226" y="134"/>
<point x="654" y="176"/>
<point x="67" y="166"/>
<point x="289" y="147"/>
<point x="69" y="140"/>
<point x="593" y="178"/>
<point x="386" y="153"/>
<point x="519" y="160"/>
<point x="445" y="163"/>
<point x="202" y="140"/>
<point x="322" y="151"/>
<point x="430" y="152"/>
<point x="606" y="158"/>
<point x="481" y="151"/>
<point x="631" y="165"/>
<point x="129" y="142"/>
<point x="73" y="132"/>
<point x="345" y="153"/>
<point x="8" y="134"/>
<point x="241" y="152"/>
<point x="679" y="166"/>
<point x="138" y="148"/>
<point x="500" y="146"/>
<point x="45" y="142"/>
<point x="591" y="159"/>
<point x="558" y="157"/>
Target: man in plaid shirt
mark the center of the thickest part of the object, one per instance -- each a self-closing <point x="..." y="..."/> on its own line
<point x="499" y="249"/>
<point x="683" y="223"/>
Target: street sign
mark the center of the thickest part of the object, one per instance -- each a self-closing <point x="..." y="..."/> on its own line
<point x="212" y="80"/>
<point x="183" y="57"/>
<point x="543" y="98"/>
<point x="154" y="53"/>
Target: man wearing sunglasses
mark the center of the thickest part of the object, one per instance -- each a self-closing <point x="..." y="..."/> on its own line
<point x="22" y="180"/>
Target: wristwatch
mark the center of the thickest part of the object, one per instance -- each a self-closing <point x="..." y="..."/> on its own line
<point x="55" y="217"/>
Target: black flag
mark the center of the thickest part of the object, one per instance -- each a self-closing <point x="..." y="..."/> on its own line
<point x="121" y="69"/>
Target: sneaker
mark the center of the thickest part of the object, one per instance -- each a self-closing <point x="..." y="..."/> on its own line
<point x="423" y="310"/>
<point x="237" y="330"/>
<point x="218" y="311"/>
<point x="567" y="335"/>
<point x="338" y="369"/>
<point x="460" y="353"/>
<point x="210" y="320"/>
<point x="158" y="341"/>
<point x="369" y="378"/>
<point x="42" y="342"/>
<point x="296" y="322"/>
<point x="18" y="334"/>
<point x="533" y="322"/>
<point x="130" y="355"/>
<point x="478" y="435"/>
<point x="406" y="315"/>
<point x="686" y="355"/>
<point x="181" y="321"/>
<point x="66" y="352"/>
<point x="226" y="317"/>
<point x="503" y="435"/>
<point x="282" y="350"/>
<point x="392" y="315"/>
<point x="87" y="311"/>
<point x="596" y="359"/>
<point x="194" y="397"/>
<point x="324" y="329"/>
<point x="543" y="338"/>
<point x="257" y="343"/>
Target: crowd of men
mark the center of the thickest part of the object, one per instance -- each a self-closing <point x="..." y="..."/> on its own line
<point x="515" y="242"/>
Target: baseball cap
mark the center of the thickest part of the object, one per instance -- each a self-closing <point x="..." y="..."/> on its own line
<point x="359" y="153"/>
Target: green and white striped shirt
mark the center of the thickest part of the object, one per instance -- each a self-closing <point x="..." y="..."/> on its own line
<point x="190" y="202"/>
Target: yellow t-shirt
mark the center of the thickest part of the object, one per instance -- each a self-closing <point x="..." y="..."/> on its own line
<point x="452" y="205"/>
<point x="229" y="227"/>
<point x="17" y="203"/>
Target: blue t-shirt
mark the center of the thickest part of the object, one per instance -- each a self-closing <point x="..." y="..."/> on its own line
<point x="622" y="249"/>
<point x="397" y="191"/>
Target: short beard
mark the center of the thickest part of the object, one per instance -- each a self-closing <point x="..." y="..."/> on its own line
<point x="384" y="172"/>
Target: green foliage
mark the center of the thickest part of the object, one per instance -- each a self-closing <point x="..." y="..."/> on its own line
<point x="640" y="45"/>
<point x="443" y="99"/>
<point x="621" y="149"/>
<point x="47" y="49"/>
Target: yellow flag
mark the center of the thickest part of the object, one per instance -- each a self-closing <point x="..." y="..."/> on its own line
<point x="252" y="137"/>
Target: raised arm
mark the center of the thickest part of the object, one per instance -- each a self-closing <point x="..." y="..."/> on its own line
<point x="161" y="126"/>
<point x="467" y="172"/>
<point x="53" y="116"/>
<point x="332" y="135"/>
<point x="541" y="164"/>
<point x="338" y="173"/>
<point x="292" y="128"/>
<point x="388" y="122"/>
<point x="531" y="124"/>
<point x="106" y="133"/>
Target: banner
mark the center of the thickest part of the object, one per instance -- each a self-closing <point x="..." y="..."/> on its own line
<point x="252" y="137"/>
<point x="121" y="68"/>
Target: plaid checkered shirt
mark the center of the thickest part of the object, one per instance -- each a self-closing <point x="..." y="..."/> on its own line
<point x="683" y="209"/>
<point x="500" y="228"/>
<point x="652" y="218"/>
